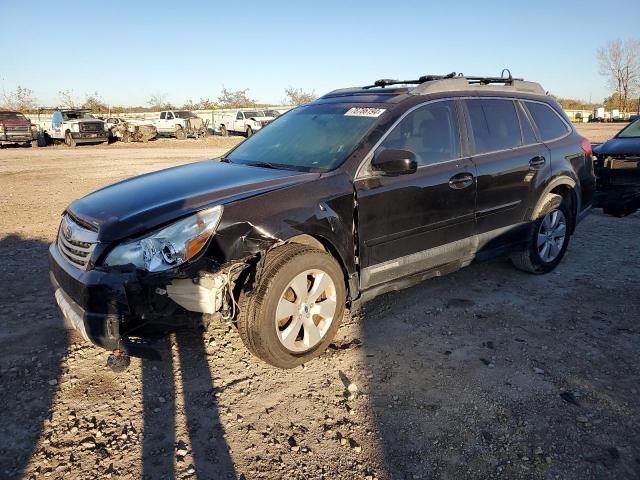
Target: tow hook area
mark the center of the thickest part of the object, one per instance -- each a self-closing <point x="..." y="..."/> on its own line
<point x="118" y="361"/>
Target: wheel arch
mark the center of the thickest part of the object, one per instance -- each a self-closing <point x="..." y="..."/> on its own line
<point x="564" y="186"/>
<point x="322" y="243"/>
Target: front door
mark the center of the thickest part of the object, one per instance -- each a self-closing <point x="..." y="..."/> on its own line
<point x="414" y="222"/>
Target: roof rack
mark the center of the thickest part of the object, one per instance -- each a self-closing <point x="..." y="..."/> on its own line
<point x="438" y="83"/>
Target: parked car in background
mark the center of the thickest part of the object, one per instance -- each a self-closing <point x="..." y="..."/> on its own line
<point x="181" y="124"/>
<point x="271" y="113"/>
<point x="15" y="128"/>
<point x="76" y="126"/>
<point x="617" y="166"/>
<point x="363" y="191"/>
<point x="128" y="130"/>
<point x="242" y="122"/>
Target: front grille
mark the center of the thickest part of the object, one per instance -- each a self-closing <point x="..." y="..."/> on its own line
<point x="92" y="127"/>
<point x="17" y="128"/>
<point x="76" y="243"/>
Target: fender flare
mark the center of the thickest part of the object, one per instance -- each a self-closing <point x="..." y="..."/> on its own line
<point x="563" y="180"/>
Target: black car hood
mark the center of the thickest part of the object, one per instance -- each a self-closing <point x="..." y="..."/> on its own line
<point x="619" y="146"/>
<point x="142" y="203"/>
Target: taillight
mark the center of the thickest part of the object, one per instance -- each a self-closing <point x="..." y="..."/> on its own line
<point x="586" y="147"/>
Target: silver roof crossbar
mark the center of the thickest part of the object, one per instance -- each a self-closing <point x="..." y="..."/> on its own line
<point x="452" y="82"/>
<point x="464" y="84"/>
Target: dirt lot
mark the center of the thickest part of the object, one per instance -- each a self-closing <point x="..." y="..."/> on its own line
<point x="599" y="132"/>
<point x="486" y="373"/>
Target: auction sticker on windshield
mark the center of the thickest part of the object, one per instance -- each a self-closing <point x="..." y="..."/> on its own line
<point x="364" y="112"/>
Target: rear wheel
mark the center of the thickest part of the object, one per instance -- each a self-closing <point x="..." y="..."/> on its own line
<point x="295" y="308"/>
<point x="548" y="239"/>
<point x="224" y="131"/>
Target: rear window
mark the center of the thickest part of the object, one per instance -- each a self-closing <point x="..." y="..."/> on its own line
<point x="494" y="124"/>
<point x="549" y="123"/>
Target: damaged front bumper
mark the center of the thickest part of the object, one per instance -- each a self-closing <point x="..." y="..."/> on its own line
<point x="618" y="184"/>
<point x="122" y="309"/>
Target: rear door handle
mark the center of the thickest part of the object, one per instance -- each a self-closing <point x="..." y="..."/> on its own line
<point x="537" y="162"/>
<point x="460" y="181"/>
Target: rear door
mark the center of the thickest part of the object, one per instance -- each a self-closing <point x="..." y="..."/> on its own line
<point x="414" y="222"/>
<point x="509" y="160"/>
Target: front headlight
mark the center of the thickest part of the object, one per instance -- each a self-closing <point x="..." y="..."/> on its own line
<point x="171" y="246"/>
<point x="75" y="127"/>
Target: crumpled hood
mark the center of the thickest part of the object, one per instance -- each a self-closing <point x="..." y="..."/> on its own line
<point x="142" y="203"/>
<point x="619" y="146"/>
<point x="262" y="119"/>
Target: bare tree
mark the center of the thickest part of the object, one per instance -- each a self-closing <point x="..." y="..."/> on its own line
<point x="296" y="96"/>
<point x="20" y="99"/>
<point x="66" y="99"/>
<point x="95" y="104"/>
<point x="235" y="99"/>
<point x="158" y="101"/>
<point x="620" y="64"/>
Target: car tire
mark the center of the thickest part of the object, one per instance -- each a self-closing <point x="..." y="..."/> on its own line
<point x="548" y="240"/>
<point x="286" y="285"/>
<point x="223" y="131"/>
<point x="249" y="132"/>
<point x="180" y="134"/>
<point x="69" y="140"/>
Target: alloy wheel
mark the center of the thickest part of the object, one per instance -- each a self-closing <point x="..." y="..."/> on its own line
<point x="306" y="310"/>
<point x="551" y="235"/>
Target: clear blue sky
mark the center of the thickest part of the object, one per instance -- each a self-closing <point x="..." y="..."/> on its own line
<point x="127" y="51"/>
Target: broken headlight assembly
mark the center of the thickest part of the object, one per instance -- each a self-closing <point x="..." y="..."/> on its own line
<point x="170" y="246"/>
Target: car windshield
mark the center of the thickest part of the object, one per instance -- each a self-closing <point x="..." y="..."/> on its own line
<point x="252" y="113"/>
<point x="75" y="115"/>
<point x="312" y="138"/>
<point x="271" y="113"/>
<point x="630" y="131"/>
<point x="12" y="116"/>
<point x="185" y="114"/>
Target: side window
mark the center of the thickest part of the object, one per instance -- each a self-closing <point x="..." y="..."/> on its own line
<point x="239" y="116"/>
<point x="430" y="132"/>
<point x="163" y="115"/>
<point x="169" y="116"/>
<point x="528" y="136"/>
<point x="549" y="123"/>
<point x="494" y="124"/>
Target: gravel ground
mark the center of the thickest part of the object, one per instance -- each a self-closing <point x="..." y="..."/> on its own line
<point x="485" y="373"/>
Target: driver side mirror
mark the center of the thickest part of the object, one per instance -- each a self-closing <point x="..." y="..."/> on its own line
<point x="394" y="162"/>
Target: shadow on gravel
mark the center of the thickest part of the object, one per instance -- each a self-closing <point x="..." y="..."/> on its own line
<point x="33" y="342"/>
<point x="205" y="443"/>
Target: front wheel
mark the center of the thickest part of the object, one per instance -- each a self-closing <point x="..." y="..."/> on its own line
<point x="249" y="132"/>
<point x="181" y="134"/>
<point x="548" y="240"/>
<point x="69" y="140"/>
<point x="295" y="308"/>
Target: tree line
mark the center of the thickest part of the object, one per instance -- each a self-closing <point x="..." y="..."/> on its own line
<point x="23" y="99"/>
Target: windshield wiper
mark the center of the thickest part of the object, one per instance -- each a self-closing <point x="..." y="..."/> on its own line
<point x="264" y="165"/>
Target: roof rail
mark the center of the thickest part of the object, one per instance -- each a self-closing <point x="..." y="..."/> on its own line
<point x="427" y="84"/>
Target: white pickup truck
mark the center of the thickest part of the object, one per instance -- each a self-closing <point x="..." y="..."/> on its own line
<point x="181" y="124"/>
<point x="75" y="127"/>
<point x="244" y="122"/>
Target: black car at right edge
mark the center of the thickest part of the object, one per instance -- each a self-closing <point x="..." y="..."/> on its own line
<point x="363" y="191"/>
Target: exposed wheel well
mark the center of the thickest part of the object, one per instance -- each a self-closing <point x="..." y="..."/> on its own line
<point x="326" y="246"/>
<point x="569" y="193"/>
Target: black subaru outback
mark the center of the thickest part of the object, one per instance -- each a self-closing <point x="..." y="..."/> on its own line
<point x="364" y="191"/>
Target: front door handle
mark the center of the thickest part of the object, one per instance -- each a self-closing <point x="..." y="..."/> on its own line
<point x="537" y="162"/>
<point x="460" y="181"/>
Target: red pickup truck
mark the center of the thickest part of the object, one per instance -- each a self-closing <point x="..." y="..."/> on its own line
<point x="16" y="128"/>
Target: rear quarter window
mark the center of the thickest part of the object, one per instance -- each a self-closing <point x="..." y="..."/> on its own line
<point x="549" y="123"/>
